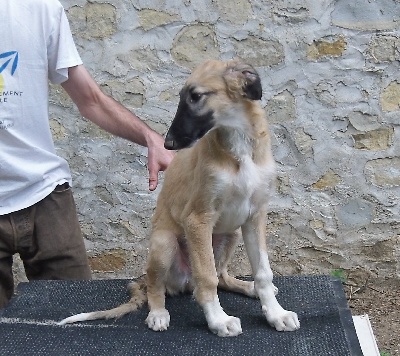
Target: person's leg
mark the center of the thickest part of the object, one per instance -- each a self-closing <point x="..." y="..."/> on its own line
<point x="58" y="250"/>
<point x="6" y="280"/>
<point x="6" y="253"/>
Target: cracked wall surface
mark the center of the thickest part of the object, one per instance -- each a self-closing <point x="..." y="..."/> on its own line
<point x="331" y="90"/>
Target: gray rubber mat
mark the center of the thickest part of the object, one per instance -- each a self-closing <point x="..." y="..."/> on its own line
<point x="28" y="323"/>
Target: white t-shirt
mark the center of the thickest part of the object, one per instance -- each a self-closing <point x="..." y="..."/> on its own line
<point x="36" y="46"/>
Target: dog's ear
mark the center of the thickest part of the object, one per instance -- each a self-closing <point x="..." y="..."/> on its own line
<point x="243" y="80"/>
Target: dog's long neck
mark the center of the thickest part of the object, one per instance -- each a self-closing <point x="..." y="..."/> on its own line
<point x="249" y="139"/>
<point x="236" y="142"/>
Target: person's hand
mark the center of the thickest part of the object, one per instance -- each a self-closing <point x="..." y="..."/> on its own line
<point x="158" y="158"/>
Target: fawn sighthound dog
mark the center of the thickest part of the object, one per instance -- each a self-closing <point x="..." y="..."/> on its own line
<point x="215" y="190"/>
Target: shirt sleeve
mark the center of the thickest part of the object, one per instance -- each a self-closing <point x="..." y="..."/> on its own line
<point x="61" y="50"/>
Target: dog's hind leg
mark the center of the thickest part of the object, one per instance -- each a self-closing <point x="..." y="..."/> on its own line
<point x="224" y="247"/>
<point x="163" y="250"/>
<point x="233" y="284"/>
<point x="254" y="238"/>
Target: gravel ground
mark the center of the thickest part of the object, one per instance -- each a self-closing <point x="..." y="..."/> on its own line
<point x="380" y="299"/>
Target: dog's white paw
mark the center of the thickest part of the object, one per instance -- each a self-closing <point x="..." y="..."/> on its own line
<point x="281" y="319"/>
<point x="229" y="326"/>
<point x="158" y="320"/>
<point x="219" y="322"/>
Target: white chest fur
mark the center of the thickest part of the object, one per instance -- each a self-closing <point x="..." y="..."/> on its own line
<point x="242" y="193"/>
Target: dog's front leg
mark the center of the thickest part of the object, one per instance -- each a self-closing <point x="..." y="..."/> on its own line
<point x="163" y="247"/>
<point x="254" y="238"/>
<point x="199" y="237"/>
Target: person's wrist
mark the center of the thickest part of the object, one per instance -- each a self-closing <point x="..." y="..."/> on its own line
<point x="153" y="138"/>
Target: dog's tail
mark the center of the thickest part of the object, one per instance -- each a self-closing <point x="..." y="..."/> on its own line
<point x="137" y="291"/>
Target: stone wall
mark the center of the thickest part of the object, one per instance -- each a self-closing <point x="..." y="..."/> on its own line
<point x="331" y="88"/>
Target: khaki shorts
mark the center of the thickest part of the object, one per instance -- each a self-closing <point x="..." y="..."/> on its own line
<point x="47" y="237"/>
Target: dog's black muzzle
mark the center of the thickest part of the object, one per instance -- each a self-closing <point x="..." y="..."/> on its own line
<point x="187" y="128"/>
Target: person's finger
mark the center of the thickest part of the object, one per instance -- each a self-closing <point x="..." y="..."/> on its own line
<point x="153" y="178"/>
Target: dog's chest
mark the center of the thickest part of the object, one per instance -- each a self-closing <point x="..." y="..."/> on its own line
<point x="242" y="193"/>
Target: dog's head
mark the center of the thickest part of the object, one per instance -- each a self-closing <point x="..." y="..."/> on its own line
<point x="210" y="97"/>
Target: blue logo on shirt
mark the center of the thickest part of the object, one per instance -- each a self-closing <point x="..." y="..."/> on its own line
<point x="9" y="56"/>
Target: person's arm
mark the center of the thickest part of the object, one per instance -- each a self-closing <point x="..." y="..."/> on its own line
<point x="113" y="117"/>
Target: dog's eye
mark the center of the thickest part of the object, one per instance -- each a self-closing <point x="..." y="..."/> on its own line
<point x="195" y="97"/>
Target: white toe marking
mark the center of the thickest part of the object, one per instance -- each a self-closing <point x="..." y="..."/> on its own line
<point x="158" y="320"/>
<point x="219" y="322"/>
<point x="281" y="319"/>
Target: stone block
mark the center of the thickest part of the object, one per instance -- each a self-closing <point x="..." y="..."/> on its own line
<point x="381" y="250"/>
<point x="268" y="52"/>
<point x="281" y="108"/>
<point x="94" y="20"/>
<point x="130" y="93"/>
<point x="143" y="59"/>
<point x="329" y="180"/>
<point x="234" y="11"/>
<point x="366" y="15"/>
<point x="304" y="142"/>
<point x="194" y="44"/>
<point x="355" y="214"/>
<point x="109" y="261"/>
<point x="325" y="92"/>
<point x="292" y="13"/>
<point x="384" y="171"/>
<point x="153" y="18"/>
<point x="363" y="121"/>
<point x="384" y="49"/>
<point x="374" y="140"/>
<point x="390" y="97"/>
<point x="327" y="47"/>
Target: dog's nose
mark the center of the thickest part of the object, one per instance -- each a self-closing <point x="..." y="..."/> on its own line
<point x="169" y="145"/>
<point x="169" y="141"/>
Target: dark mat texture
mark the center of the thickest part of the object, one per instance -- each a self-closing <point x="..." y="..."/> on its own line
<point x="28" y="323"/>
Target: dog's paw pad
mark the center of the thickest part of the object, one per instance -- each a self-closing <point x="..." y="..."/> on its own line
<point x="231" y="326"/>
<point x="282" y="320"/>
<point x="158" y="320"/>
